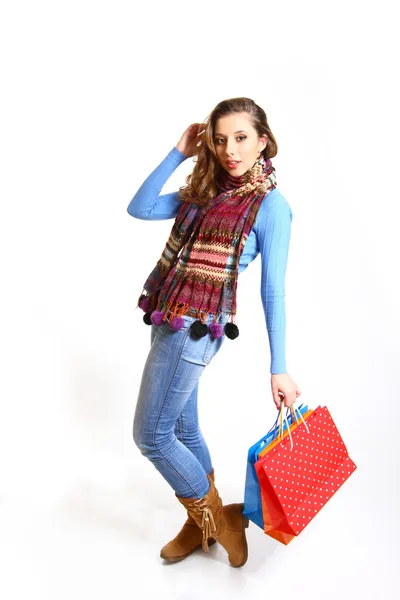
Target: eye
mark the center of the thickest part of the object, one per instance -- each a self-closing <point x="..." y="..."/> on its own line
<point x="243" y="137"/>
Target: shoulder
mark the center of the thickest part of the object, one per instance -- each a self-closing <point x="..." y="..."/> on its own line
<point x="275" y="201"/>
<point x="274" y="204"/>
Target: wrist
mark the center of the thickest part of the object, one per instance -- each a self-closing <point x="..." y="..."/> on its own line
<point x="179" y="150"/>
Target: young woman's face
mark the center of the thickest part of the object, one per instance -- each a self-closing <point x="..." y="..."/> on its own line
<point x="235" y="139"/>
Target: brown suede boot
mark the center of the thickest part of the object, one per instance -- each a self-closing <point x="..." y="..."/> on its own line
<point x="188" y="539"/>
<point x="226" y="524"/>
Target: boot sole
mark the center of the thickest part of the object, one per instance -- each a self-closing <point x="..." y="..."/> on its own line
<point x="174" y="559"/>
<point x="245" y="524"/>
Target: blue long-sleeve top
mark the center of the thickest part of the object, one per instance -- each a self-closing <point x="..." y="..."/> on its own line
<point x="270" y="236"/>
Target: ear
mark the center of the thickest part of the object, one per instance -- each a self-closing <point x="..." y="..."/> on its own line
<point x="264" y="141"/>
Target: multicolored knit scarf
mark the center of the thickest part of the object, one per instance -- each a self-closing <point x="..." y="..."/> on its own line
<point x="203" y="279"/>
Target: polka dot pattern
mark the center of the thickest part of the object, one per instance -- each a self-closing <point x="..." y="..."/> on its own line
<point x="297" y="483"/>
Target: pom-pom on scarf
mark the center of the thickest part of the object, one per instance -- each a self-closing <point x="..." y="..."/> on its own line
<point x="202" y="280"/>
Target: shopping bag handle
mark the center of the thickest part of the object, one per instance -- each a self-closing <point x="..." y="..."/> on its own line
<point x="275" y="427"/>
<point x="281" y="416"/>
<point x="293" y="411"/>
<point x="280" y="430"/>
<point x="289" y="409"/>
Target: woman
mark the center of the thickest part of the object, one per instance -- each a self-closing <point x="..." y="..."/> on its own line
<point x="230" y="211"/>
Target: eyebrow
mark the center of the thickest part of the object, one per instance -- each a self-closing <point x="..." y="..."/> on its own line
<point x="240" y="131"/>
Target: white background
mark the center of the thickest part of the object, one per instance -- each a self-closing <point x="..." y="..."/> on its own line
<point x="94" y="95"/>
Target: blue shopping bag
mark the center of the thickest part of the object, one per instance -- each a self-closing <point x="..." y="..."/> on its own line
<point x="252" y="496"/>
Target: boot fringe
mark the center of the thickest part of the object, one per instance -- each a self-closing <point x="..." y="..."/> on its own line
<point x="207" y="523"/>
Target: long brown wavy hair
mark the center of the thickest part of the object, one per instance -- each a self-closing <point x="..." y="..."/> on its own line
<point x="201" y="182"/>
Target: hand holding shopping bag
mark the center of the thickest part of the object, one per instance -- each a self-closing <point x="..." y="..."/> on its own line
<point x="283" y="387"/>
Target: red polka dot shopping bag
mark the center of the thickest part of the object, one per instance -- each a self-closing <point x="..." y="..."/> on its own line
<point x="267" y="525"/>
<point x="300" y="471"/>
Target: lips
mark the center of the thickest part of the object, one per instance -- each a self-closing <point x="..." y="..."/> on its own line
<point x="232" y="163"/>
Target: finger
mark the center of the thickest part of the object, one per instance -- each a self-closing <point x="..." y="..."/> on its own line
<point x="277" y="399"/>
<point x="288" y="401"/>
<point x="291" y="400"/>
<point x="281" y="399"/>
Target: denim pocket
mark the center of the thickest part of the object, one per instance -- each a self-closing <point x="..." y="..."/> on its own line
<point x="188" y="322"/>
<point x="212" y="347"/>
<point x="200" y="351"/>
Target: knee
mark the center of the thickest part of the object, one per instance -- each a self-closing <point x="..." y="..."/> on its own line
<point x="144" y="444"/>
<point x="142" y="434"/>
<point x="151" y="444"/>
<point x="192" y="435"/>
<point x="141" y="439"/>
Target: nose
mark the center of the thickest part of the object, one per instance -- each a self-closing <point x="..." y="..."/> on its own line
<point x="230" y="149"/>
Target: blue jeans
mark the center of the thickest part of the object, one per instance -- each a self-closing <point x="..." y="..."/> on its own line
<point x="165" y="427"/>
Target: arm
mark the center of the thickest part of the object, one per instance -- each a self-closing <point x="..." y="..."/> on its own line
<point x="147" y="204"/>
<point x="273" y="233"/>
